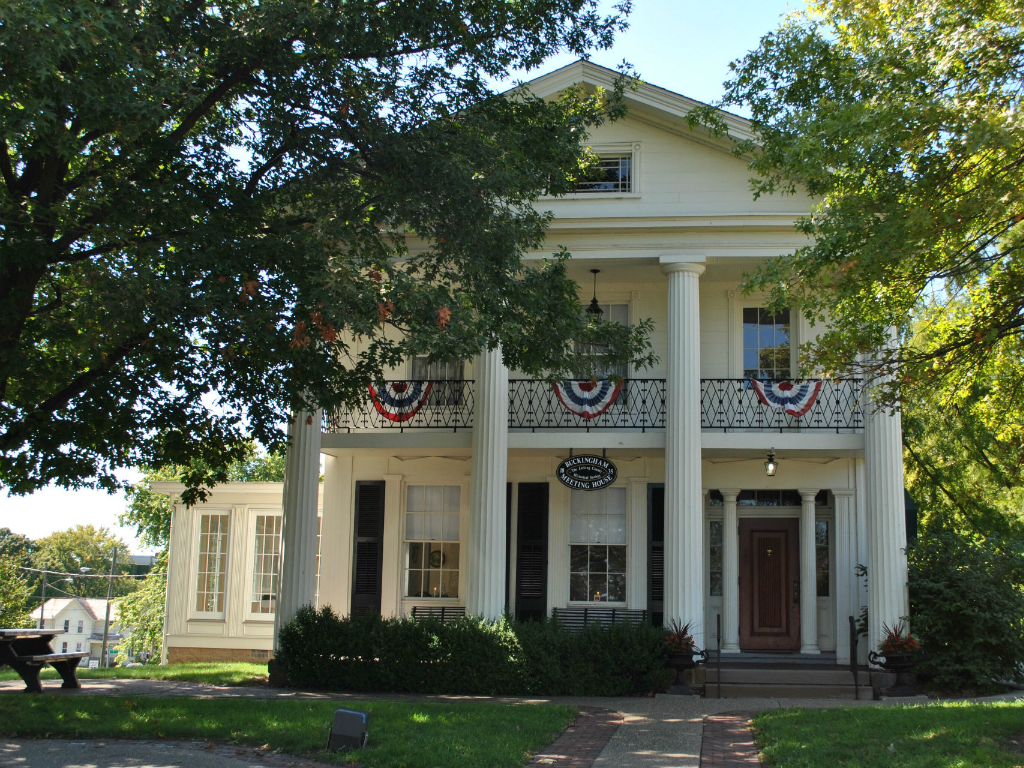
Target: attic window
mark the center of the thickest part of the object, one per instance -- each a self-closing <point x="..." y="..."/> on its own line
<point x="613" y="173"/>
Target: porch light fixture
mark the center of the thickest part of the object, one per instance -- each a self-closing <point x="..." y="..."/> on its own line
<point x="594" y="309"/>
<point x="771" y="465"/>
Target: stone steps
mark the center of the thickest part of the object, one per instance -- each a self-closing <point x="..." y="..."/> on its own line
<point x="784" y="680"/>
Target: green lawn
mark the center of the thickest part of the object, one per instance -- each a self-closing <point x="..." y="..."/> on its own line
<point x="951" y="735"/>
<point x="215" y="673"/>
<point x="413" y="735"/>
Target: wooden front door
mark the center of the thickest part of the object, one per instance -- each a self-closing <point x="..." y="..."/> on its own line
<point x="769" y="585"/>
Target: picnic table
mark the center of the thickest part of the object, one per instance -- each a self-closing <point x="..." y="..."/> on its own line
<point x="27" y="651"/>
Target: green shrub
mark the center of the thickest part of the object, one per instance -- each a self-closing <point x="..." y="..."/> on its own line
<point x="967" y="608"/>
<point x="470" y="656"/>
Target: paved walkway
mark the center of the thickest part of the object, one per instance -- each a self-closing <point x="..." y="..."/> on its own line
<point x="660" y="732"/>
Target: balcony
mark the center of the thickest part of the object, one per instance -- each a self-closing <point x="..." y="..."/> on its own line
<point x="638" y="405"/>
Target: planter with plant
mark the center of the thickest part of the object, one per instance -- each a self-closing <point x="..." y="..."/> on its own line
<point x="682" y="654"/>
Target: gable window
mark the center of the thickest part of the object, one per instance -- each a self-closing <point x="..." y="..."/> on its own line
<point x="81" y="626"/>
<point x="612" y="173"/>
<point x="432" y="517"/>
<point x="266" y="564"/>
<point x="597" y="546"/>
<point x="213" y="563"/>
<point x="447" y="378"/>
<point x="67" y="625"/>
<point x="766" y="344"/>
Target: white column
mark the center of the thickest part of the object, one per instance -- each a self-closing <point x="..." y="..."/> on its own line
<point x="684" y="517"/>
<point x="845" y="535"/>
<point x="299" y="510"/>
<point x="730" y="572"/>
<point x="887" y="534"/>
<point x="391" y="548"/>
<point x="808" y="579"/>
<point x="636" y="553"/>
<point x="485" y="588"/>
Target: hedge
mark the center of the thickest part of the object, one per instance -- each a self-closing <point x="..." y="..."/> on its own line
<point x="320" y="650"/>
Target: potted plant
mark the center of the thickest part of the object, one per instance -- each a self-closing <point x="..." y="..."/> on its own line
<point x="898" y="651"/>
<point x="682" y="653"/>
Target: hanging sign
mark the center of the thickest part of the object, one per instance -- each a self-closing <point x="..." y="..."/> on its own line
<point x="796" y="399"/>
<point x="586" y="473"/>
<point x="588" y="399"/>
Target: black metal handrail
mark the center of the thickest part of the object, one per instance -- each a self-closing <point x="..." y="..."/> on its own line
<point x="534" y="404"/>
<point x="448" y="405"/>
<point x="733" y="404"/>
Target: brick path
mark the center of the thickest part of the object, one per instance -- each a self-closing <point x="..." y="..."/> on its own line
<point x="728" y="741"/>
<point x="580" y="743"/>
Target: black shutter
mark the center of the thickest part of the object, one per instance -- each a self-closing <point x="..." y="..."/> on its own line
<point x="369" y="547"/>
<point x="508" y="544"/>
<point x="655" y="552"/>
<point x="532" y="552"/>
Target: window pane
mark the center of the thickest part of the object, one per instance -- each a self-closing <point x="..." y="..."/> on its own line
<point x="617" y="529"/>
<point x="414" y="525"/>
<point x="451" y="556"/>
<point x="821" y="532"/>
<point x="599" y="559"/>
<point x="578" y="559"/>
<point x="433" y="498"/>
<point x="452" y="498"/>
<point x="617" y="588"/>
<point x="598" y="586"/>
<point x="578" y="529"/>
<point x="716" y="533"/>
<point x="451" y="527"/>
<point x="716" y="584"/>
<point x="616" y="559"/>
<point x="598" y="529"/>
<point x="577" y="586"/>
<point x="416" y="555"/>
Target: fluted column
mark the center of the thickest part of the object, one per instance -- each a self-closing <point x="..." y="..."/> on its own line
<point x="846" y="559"/>
<point x="887" y="533"/>
<point x="299" y="504"/>
<point x="808" y="578"/>
<point x="730" y="572"/>
<point x="684" y="514"/>
<point x="485" y="589"/>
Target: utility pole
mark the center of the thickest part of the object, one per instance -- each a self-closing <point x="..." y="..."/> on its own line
<point x="42" y="608"/>
<point x="110" y="588"/>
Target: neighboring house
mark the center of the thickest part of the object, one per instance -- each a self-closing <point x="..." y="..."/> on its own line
<point x="82" y="619"/>
<point x="454" y="498"/>
<point x="142" y="564"/>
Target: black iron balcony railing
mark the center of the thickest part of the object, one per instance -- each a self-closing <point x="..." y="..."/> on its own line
<point x="737" y="404"/>
<point x="639" y="404"/>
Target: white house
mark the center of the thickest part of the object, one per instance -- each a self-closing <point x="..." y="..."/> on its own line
<point x="81" y="619"/>
<point x="461" y="496"/>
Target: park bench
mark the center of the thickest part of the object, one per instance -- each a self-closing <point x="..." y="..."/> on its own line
<point x="442" y="612"/>
<point x="576" y="617"/>
<point x="27" y="651"/>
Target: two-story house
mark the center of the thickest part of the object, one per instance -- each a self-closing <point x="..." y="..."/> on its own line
<point x="81" y="621"/>
<point x="729" y="489"/>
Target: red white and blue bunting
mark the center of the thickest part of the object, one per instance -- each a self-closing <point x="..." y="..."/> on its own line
<point x="797" y="399"/>
<point x="587" y="398"/>
<point x="400" y="400"/>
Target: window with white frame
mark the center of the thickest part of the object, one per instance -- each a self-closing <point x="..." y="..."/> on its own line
<point x="766" y="344"/>
<point x="67" y="625"/>
<point x="597" y="546"/>
<point x="81" y="626"/>
<point x="63" y="647"/>
<point x="613" y="172"/>
<point x="446" y="377"/>
<point x="614" y="313"/>
<point x="213" y="563"/>
<point x="266" y="564"/>
<point x="78" y="646"/>
<point x="432" y="517"/>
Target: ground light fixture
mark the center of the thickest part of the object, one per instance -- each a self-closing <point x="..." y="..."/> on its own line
<point x="771" y="466"/>
<point x="594" y="308"/>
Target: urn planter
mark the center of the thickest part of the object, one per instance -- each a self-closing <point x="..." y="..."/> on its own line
<point x="681" y="662"/>
<point x="902" y="664"/>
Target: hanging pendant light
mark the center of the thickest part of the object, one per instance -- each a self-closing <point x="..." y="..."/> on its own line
<point x="594" y="308"/>
<point x="771" y="466"/>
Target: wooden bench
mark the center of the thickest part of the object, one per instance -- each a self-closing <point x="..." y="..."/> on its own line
<point x="27" y="651"/>
<point x="442" y="612"/>
<point x="576" y="617"/>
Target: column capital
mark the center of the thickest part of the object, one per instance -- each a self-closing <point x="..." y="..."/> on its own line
<point x="672" y="264"/>
<point x="729" y="494"/>
<point x="843" y="492"/>
<point x="808" y="494"/>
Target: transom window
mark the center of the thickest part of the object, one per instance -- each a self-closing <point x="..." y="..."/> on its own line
<point x="266" y="564"/>
<point x="597" y="551"/>
<point x="213" y="562"/>
<point x="612" y="173"/>
<point x="432" y="540"/>
<point x="766" y="344"/>
<point x="765" y="498"/>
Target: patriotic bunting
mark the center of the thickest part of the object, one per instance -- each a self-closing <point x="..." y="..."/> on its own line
<point x="400" y="400"/>
<point x="586" y="398"/>
<point x="797" y="399"/>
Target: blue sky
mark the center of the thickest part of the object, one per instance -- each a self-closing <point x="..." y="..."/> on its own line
<point x="682" y="45"/>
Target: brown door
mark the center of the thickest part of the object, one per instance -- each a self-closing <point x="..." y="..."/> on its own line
<point x="769" y="585"/>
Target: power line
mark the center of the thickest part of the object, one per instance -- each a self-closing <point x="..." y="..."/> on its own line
<point x="90" y="575"/>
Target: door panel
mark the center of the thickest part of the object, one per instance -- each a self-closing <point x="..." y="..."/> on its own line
<point x="769" y="585"/>
<point x="369" y="548"/>
<point x="532" y="551"/>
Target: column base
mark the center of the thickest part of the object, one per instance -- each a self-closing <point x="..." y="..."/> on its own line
<point x="810" y="650"/>
<point x="727" y="648"/>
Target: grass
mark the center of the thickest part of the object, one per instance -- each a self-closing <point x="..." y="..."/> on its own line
<point x="949" y="735"/>
<point x="215" y="673"/>
<point x="402" y="734"/>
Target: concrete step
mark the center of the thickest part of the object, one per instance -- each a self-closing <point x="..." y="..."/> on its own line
<point x="777" y="691"/>
<point x="773" y="676"/>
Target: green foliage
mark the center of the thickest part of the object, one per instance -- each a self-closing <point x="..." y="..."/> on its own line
<point x="901" y="120"/>
<point x="470" y="656"/>
<point x="967" y="608"/>
<point x="218" y="213"/>
<point x="141" y="615"/>
<point x="15" y="546"/>
<point x="84" y="547"/>
<point x="212" y="673"/>
<point x="14" y="594"/>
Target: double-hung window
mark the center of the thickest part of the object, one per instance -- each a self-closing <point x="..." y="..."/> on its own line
<point x="213" y="563"/>
<point x="614" y="313"/>
<point x="766" y="344"/>
<point x="266" y="564"/>
<point x="446" y="378"/>
<point x="432" y="551"/>
<point x="597" y="546"/>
